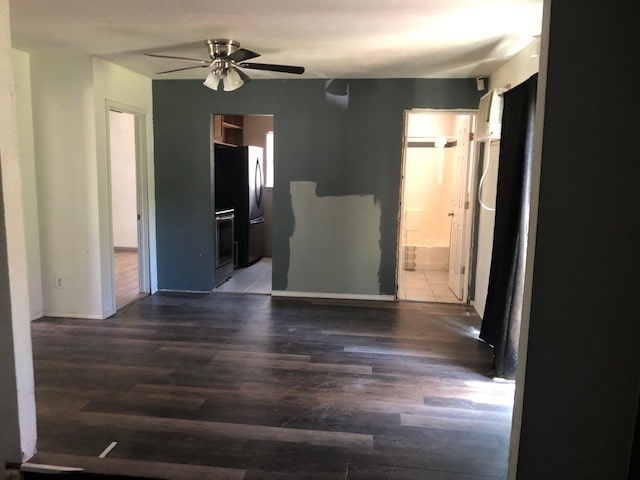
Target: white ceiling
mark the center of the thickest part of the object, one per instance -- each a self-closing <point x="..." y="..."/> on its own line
<point x="331" y="38"/>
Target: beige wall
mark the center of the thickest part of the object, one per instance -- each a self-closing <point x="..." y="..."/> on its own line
<point x="255" y="128"/>
<point x="428" y="180"/>
<point x="430" y="124"/>
<point x="428" y="188"/>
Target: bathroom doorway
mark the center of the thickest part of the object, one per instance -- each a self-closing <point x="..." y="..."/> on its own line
<point x="434" y="238"/>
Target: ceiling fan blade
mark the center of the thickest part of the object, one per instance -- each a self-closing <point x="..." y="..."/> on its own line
<point x="178" y="58"/>
<point x="245" y="78"/>
<point x="242" y="54"/>
<point x="274" y="68"/>
<point x="183" y="68"/>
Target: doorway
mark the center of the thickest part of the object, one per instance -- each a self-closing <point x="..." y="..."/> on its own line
<point x="434" y="233"/>
<point x="129" y="236"/>
<point x="243" y="158"/>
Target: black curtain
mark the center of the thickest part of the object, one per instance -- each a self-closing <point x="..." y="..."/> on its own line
<point x="634" y="465"/>
<point x="503" y="308"/>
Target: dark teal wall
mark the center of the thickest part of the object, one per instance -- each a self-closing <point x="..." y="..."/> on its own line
<point x="582" y="377"/>
<point x="349" y="145"/>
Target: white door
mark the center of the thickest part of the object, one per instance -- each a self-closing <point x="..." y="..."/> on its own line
<point x="401" y="218"/>
<point x="459" y="208"/>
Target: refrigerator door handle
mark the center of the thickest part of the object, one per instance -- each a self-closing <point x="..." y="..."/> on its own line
<point x="256" y="220"/>
<point x="258" y="183"/>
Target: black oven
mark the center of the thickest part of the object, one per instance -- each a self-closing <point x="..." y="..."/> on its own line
<point x="223" y="226"/>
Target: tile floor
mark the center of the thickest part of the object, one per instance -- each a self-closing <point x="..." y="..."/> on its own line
<point x="417" y="286"/>
<point x="253" y="279"/>
<point x="425" y="286"/>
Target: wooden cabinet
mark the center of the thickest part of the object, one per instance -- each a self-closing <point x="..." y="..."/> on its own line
<point x="228" y="130"/>
<point x="217" y="129"/>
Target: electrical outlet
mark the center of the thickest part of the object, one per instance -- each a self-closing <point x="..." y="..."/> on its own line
<point x="58" y="282"/>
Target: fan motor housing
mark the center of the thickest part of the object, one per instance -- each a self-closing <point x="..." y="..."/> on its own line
<point x="220" y="48"/>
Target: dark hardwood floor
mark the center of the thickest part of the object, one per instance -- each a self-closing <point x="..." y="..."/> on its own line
<point x="231" y="386"/>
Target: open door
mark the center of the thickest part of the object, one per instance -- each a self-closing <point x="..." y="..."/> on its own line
<point x="458" y="254"/>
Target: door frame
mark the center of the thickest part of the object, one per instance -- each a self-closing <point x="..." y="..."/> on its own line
<point x="470" y="191"/>
<point x="142" y="196"/>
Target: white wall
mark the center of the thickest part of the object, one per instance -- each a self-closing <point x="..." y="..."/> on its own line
<point x="17" y="397"/>
<point x="486" y="223"/>
<point x="518" y="69"/>
<point x="122" y="153"/>
<point x="70" y="96"/>
<point x="65" y="148"/>
<point x="22" y="78"/>
<point x="512" y="73"/>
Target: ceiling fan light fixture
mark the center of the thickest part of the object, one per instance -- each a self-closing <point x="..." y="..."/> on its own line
<point x="232" y="81"/>
<point x="225" y="56"/>
<point x="212" y="80"/>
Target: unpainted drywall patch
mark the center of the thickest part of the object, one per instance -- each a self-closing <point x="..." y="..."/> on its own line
<point x="335" y="247"/>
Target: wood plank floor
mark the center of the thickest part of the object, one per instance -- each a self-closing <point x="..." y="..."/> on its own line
<point x="126" y="277"/>
<point x="231" y="386"/>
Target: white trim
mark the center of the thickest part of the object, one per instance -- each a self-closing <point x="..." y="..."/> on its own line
<point x="44" y="468"/>
<point x="146" y="278"/>
<point x="341" y="296"/>
<point x="106" y="451"/>
<point x="89" y="316"/>
<point x="37" y="315"/>
<point x="445" y="111"/>
<point x="142" y="198"/>
<point x="168" y="290"/>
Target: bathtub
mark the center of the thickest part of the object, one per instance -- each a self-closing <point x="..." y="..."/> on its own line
<point x="427" y="255"/>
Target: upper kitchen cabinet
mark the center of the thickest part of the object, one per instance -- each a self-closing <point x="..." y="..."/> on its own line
<point x="227" y="130"/>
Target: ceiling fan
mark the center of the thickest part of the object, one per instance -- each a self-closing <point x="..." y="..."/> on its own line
<point x="226" y="62"/>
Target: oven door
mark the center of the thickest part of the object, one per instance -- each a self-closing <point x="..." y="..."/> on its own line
<point x="224" y="237"/>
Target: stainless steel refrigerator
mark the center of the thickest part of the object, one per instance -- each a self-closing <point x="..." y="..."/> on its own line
<point x="238" y="183"/>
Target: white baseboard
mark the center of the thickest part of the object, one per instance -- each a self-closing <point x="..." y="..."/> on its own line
<point x="163" y="290"/>
<point x="88" y="316"/>
<point x="37" y="315"/>
<point x="338" y="296"/>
